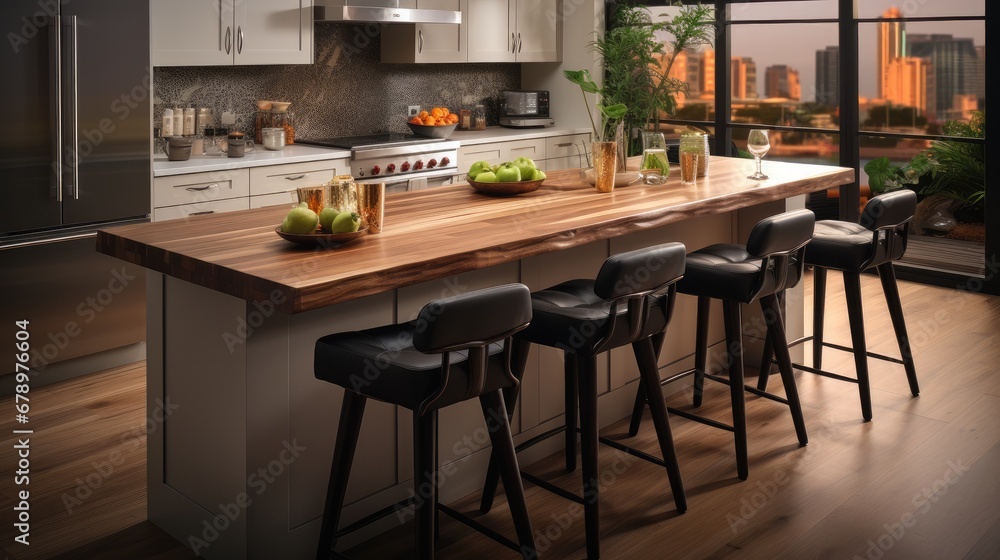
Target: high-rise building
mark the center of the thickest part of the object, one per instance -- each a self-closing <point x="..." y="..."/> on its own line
<point x="910" y="83"/>
<point x="891" y="45"/>
<point x="743" y="78"/>
<point x="828" y="76"/>
<point x="707" y="73"/>
<point x="782" y="81"/>
<point x="955" y="64"/>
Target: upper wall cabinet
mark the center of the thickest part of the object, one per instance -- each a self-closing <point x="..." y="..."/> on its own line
<point x="227" y="32"/>
<point x="514" y="31"/>
<point x="428" y="42"/>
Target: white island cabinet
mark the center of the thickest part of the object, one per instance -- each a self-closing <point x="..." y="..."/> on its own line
<point x="231" y="32"/>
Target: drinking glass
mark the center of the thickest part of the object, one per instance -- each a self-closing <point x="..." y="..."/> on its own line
<point x="654" y="167"/>
<point x="758" y="145"/>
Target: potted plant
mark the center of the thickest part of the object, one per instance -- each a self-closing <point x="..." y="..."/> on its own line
<point x="603" y="150"/>
<point x="632" y="56"/>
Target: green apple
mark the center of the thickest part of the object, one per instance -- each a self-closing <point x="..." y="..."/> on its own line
<point x="300" y="219"/>
<point x="508" y="173"/>
<point x="526" y="166"/>
<point x="537" y="175"/>
<point x="478" y="168"/>
<point x="486" y="177"/>
<point x="345" y="222"/>
<point x="326" y="217"/>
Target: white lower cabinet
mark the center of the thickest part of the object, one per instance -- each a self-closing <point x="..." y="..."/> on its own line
<point x="180" y="196"/>
<point x="566" y="152"/>
<point x="499" y="152"/>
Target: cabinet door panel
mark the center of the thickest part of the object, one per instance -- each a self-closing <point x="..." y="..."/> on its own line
<point x="492" y="31"/>
<point x="440" y="42"/>
<point x="273" y="32"/>
<point x="539" y="31"/>
<point x="191" y="32"/>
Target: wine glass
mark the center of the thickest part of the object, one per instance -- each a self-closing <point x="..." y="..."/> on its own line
<point x="758" y="145"/>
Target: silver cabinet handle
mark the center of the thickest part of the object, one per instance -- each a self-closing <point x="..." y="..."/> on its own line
<point x="564" y="145"/>
<point x="202" y="213"/>
<point x="522" y="148"/>
<point x="229" y="40"/>
<point x="519" y="41"/>
<point x="420" y="40"/>
<point x="239" y="40"/>
<point x="205" y="188"/>
<point x="55" y="58"/>
<point x="513" y="43"/>
<point x="75" y="116"/>
<point x="297" y="177"/>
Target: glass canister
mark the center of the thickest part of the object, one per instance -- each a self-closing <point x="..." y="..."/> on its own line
<point x="343" y="194"/>
<point x="274" y="138"/>
<point x="478" y="118"/>
<point x="692" y="150"/>
<point x="288" y="123"/>
<point x="697" y="142"/>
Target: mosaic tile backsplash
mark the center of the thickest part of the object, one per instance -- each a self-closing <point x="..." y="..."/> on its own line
<point x="346" y="91"/>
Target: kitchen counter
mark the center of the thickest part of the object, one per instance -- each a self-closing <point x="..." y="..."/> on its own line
<point x="239" y="469"/>
<point x="295" y="153"/>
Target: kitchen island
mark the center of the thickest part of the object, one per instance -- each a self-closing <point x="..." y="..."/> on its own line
<point x="240" y="447"/>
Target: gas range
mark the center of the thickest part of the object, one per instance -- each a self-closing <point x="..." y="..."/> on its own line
<point x="402" y="161"/>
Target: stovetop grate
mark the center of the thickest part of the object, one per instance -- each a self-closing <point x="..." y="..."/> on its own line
<point x="369" y="140"/>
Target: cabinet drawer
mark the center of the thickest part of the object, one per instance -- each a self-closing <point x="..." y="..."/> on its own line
<point x="198" y="208"/>
<point x="534" y="149"/>
<point x="200" y="187"/>
<point x="274" y="199"/>
<point x="563" y="146"/>
<point x="467" y="155"/>
<point x="288" y="177"/>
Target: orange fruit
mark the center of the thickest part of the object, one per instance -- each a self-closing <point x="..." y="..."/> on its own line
<point x="452" y="118"/>
<point x="423" y="114"/>
<point x="437" y="113"/>
<point x="446" y="111"/>
<point x="430" y="121"/>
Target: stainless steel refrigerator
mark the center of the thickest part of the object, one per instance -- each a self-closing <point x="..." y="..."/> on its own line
<point x="74" y="157"/>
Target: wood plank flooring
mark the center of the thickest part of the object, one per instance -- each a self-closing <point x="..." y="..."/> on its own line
<point x="921" y="481"/>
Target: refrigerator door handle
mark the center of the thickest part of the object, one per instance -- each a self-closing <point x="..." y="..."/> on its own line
<point x="55" y="62"/>
<point x="74" y="95"/>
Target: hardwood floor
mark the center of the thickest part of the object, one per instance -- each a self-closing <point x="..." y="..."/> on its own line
<point x="921" y="480"/>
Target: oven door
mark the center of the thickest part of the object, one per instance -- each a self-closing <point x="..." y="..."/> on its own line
<point x="420" y="181"/>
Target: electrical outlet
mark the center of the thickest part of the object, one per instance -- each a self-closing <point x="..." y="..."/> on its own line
<point x="412" y="110"/>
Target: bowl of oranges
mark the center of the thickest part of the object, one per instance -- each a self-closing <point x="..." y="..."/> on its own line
<point x="439" y="122"/>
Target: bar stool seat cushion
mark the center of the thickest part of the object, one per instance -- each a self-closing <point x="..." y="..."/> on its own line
<point x="725" y="271"/>
<point x="848" y="246"/>
<point x="381" y="363"/>
<point x="571" y="316"/>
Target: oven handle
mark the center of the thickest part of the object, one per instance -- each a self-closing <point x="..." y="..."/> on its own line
<point x="392" y="185"/>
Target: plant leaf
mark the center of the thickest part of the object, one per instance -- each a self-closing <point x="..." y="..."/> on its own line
<point x="582" y="79"/>
<point x="615" y="111"/>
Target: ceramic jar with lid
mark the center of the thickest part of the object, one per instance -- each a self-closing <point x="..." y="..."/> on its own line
<point x="273" y="138"/>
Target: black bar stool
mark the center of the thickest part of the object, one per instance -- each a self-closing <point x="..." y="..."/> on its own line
<point x="630" y="302"/>
<point x="852" y="248"/>
<point x="771" y="261"/>
<point x="449" y="354"/>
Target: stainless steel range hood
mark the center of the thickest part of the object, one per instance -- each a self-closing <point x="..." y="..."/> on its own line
<point x="381" y="11"/>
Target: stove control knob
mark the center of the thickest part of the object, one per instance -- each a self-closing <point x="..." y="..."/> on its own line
<point x="376" y="170"/>
<point x="390" y="168"/>
<point x="432" y="163"/>
<point x="361" y="172"/>
<point x="405" y="166"/>
<point x="419" y="164"/>
<point x="445" y="161"/>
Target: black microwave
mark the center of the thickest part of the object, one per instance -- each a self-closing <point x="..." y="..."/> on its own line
<point x="524" y="109"/>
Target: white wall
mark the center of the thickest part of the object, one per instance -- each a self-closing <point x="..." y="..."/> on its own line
<point x="580" y="20"/>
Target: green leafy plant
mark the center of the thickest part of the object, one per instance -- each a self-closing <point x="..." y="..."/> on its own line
<point x="632" y="54"/>
<point x="610" y="114"/>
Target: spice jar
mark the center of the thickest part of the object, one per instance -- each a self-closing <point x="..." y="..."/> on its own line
<point x="464" y="119"/>
<point x="274" y="138"/>
<point x="288" y="123"/>
<point x="479" y="118"/>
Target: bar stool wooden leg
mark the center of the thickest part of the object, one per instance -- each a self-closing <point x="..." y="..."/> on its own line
<point x="506" y="459"/>
<point x="887" y="274"/>
<point x="767" y="354"/>
<point x="587" y="368"/>
<point x="351" y="414"/>
<point x="569" y="362"/>
<point x="819" y="310"/>
<point x="734" y="350"/>
<point x="640" y="393"/>
<point x="650" y="380"/>
<point x="424" y="475"/>
<point x="518" y="361"/>
<point x="701" y="348"/>
<point x="778" y="341"/>
<point x="855" y="315"/>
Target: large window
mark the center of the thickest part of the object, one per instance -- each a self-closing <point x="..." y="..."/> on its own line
<point x="905" y="97"/>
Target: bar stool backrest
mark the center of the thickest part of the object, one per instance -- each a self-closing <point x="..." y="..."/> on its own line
<point x="634" y="278"/>
<point x="888" y="215"/>
<point x="780" y="241"/>
<point x="472" y="322"/>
